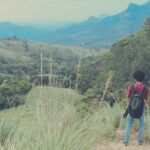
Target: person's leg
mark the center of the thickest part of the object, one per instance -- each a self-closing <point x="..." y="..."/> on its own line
<point x="128" y="128"/>
<point x="141" y="129"/>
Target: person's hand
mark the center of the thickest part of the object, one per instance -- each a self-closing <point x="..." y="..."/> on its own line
<point x="124" y="115"/>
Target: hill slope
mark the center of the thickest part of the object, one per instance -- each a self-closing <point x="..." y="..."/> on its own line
<point x="94" y="32"/>
<point x="19" y="50"/>
<point x="97" y="32"/>
<point x="125" y="56"/>
<point x="20" y="67"/>
<point x="50" y="119"/>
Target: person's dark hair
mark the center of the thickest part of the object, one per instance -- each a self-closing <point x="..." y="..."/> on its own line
<point x="139" y="75"/>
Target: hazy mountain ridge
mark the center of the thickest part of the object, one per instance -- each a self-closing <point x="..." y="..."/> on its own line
<point x="103" y="32"/>
<point x="25" y="50"/>
<point x="94" y="32"/>
<point x="8" y="29"/>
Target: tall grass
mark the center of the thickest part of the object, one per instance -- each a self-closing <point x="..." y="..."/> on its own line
<point x="55" y="123"/>
<point x="51" y="122"/>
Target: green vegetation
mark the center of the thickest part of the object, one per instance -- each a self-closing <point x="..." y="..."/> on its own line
<point x="50" y="120"/>
<point x="74" y="109"/>
<point x="21" y="59"/>
<point x="20" y="64"/>
<point x="12" y="91"/>
<point x="125" y="56"/>
<point x="130" y="54"/>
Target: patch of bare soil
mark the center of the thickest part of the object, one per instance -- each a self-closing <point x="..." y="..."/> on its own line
<point x="120" y="146"/>
<point x="117" y="143"/>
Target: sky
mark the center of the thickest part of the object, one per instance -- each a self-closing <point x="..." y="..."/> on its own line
<point x="55" y="12"/>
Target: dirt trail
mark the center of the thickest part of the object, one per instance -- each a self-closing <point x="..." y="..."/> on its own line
<point x="117" y="144"/>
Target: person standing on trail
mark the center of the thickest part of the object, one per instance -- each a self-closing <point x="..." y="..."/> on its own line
<point x="138" y="95"/>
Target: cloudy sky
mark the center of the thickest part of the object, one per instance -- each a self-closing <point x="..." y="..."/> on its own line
<point x="51" y="12"/>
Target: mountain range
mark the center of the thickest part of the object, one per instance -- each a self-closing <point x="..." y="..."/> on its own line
<point x="94" y="32"/>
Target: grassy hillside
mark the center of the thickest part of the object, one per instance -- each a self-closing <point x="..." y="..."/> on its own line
<point x="57" y="118"/>
<point x="50" y="120"/>
<point x="20" y="65"/>
<point x="34" y="48"/>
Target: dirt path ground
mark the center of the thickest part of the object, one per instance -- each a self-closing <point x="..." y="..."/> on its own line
<point x="117" y="144"/>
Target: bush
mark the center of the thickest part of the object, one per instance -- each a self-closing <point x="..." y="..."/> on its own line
<point x="12" y="91"/>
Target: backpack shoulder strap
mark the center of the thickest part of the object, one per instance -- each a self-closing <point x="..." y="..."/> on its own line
<point x="133" y="91"/>
<point x="142" y="91"/>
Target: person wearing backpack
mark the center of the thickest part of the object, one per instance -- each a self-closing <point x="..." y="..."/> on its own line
<point x="138" y="95"/>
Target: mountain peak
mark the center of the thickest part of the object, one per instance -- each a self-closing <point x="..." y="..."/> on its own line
<point x="98" y="31"/>
<point x="147" y="3"/>
<point x="137" y="7"/>
<point x="91" y="18"/>
<point x="133" y="6"/>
